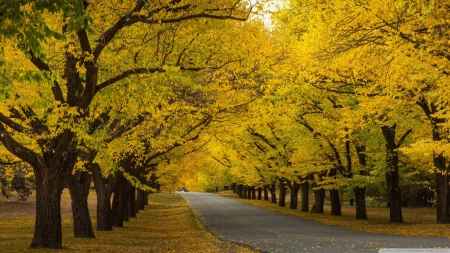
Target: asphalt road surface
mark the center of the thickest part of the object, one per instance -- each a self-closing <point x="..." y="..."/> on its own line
<point x="266" y="231"/>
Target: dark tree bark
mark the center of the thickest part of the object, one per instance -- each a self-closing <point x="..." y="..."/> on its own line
<point x="48" y="232"/>
<point x="273" y="195"/>
<point x="335" y="202"/>
<point x="360" y="192"/>
<point x="132" y="202"/>
<point x="126" y="204"/>
<point x="119" y="201"/>
<point x="319" y="200"/>
<point x="79" y="184"/>
<point x="244" y="194"/>
<point x="253" y="192"/>
<point x="305" y="196"/>
<point x="392" y="175"/>
<point x="146" y="198"/>
<point x="440" y="163"/>
<point x="294" y="188"/>
<point x="249" y="192"/>
<point x="259" y="193"/>
<point x="103" y="189"/>
<point x="442" y="190"/>
<point x="140" y="200"/>
<point x="334" y="196"/>
<point x="266" y="192"/>
<point x="233" y="187"/>
<point x="282" y="198"/>
<point x="360" y="196"/>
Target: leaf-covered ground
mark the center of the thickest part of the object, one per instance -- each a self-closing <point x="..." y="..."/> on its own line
<point x="417" y="221"/>
<point x="166" y="225"/>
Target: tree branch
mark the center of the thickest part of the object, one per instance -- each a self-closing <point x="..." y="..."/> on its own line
<point x="10" y="123"/>
<point x="18" y="149"/>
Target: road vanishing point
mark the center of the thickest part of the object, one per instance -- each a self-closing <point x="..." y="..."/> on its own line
<point x="267" y="231"/>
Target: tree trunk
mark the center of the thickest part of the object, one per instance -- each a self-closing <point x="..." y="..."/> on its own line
<point x="392" y="175"/>
<point x="233" y="187"/>
<point x="47" y="230"/>
<point x="360" y="192"/>
<point x="360" y="196"/>
<point x="442" y="190"/>
<point x="294" y="195"/>
<point x="266" y="193"/>
<point x="79" y="184"/>
<point x="244" y="194"/>
<point x="319" y="197"/>
<point x="282" y="199"/>
<point x="259" y="193"/>
<point x="140" y="200"/>
<point x="273" y="195"/>
<point x="146" y="198"/>
<point x="103" y="191"/>
<point x="132" y="202"/>
<point x="440" y="163"/>
<point x="249" y="192"/>
<point x="253" y="193"/>
<point x="305" y="196"/>
<point x="119" y="201"/>
<point x="126" y="205"/>
<point x="335" y="202"/>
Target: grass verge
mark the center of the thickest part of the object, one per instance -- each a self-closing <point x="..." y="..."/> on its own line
<point x="417" y="221"/>
<point x="166" y="225"/>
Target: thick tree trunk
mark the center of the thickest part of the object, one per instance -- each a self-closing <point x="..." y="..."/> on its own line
<point x="47" y="230"/>
<point x="294" y="195"/>
<point x="233" y="187"/>
<point x="319" y="199"/>
<point x="126" y="207"/>
<point x="273" y="195"/>
<point x="79" y="184"/>
<point x="259" y="193"/>
<point x="266" y="193"/>
<point x="440" y="163"/>
<point x="442" y="190"/>
<point x="240" y="190"/>
<point x="334" y="193"/>
<point x="104" y="218"/>
<point x="360" y="196"/>
<point x="140" y="200"/>
<point x="335" y="202"/>
<point x="132" y="202"/>
<point x="119" y="201"/>
<point x="392" y="176"/>
<point x="244" y="194"/>
<point x="249" y="192"/>
<point x="146" y="198"/>
<point x="282" y="199"/>
<point x="360" y="192"/>
<point x="305" y="196"/>
<point x="253" y="193"/>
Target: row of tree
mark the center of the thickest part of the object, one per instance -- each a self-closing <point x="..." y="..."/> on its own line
<point x="358" y="100"/>
<point x="107" y="91"/>
<point x="330" y="95"/>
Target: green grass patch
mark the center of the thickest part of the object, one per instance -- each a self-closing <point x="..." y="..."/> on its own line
<point x="417" y="221"/>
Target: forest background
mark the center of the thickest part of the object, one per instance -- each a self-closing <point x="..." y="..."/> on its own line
<point x="347" y="98"/>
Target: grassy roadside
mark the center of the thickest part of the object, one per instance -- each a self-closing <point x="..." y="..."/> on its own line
<point x="166" y="225"/>
<point x="417" y="221"/>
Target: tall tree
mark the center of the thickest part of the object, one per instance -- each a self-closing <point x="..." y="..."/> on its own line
<point x="142" y="37"/>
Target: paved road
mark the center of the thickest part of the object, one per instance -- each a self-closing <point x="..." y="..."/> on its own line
<point x="267" y="231"/>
